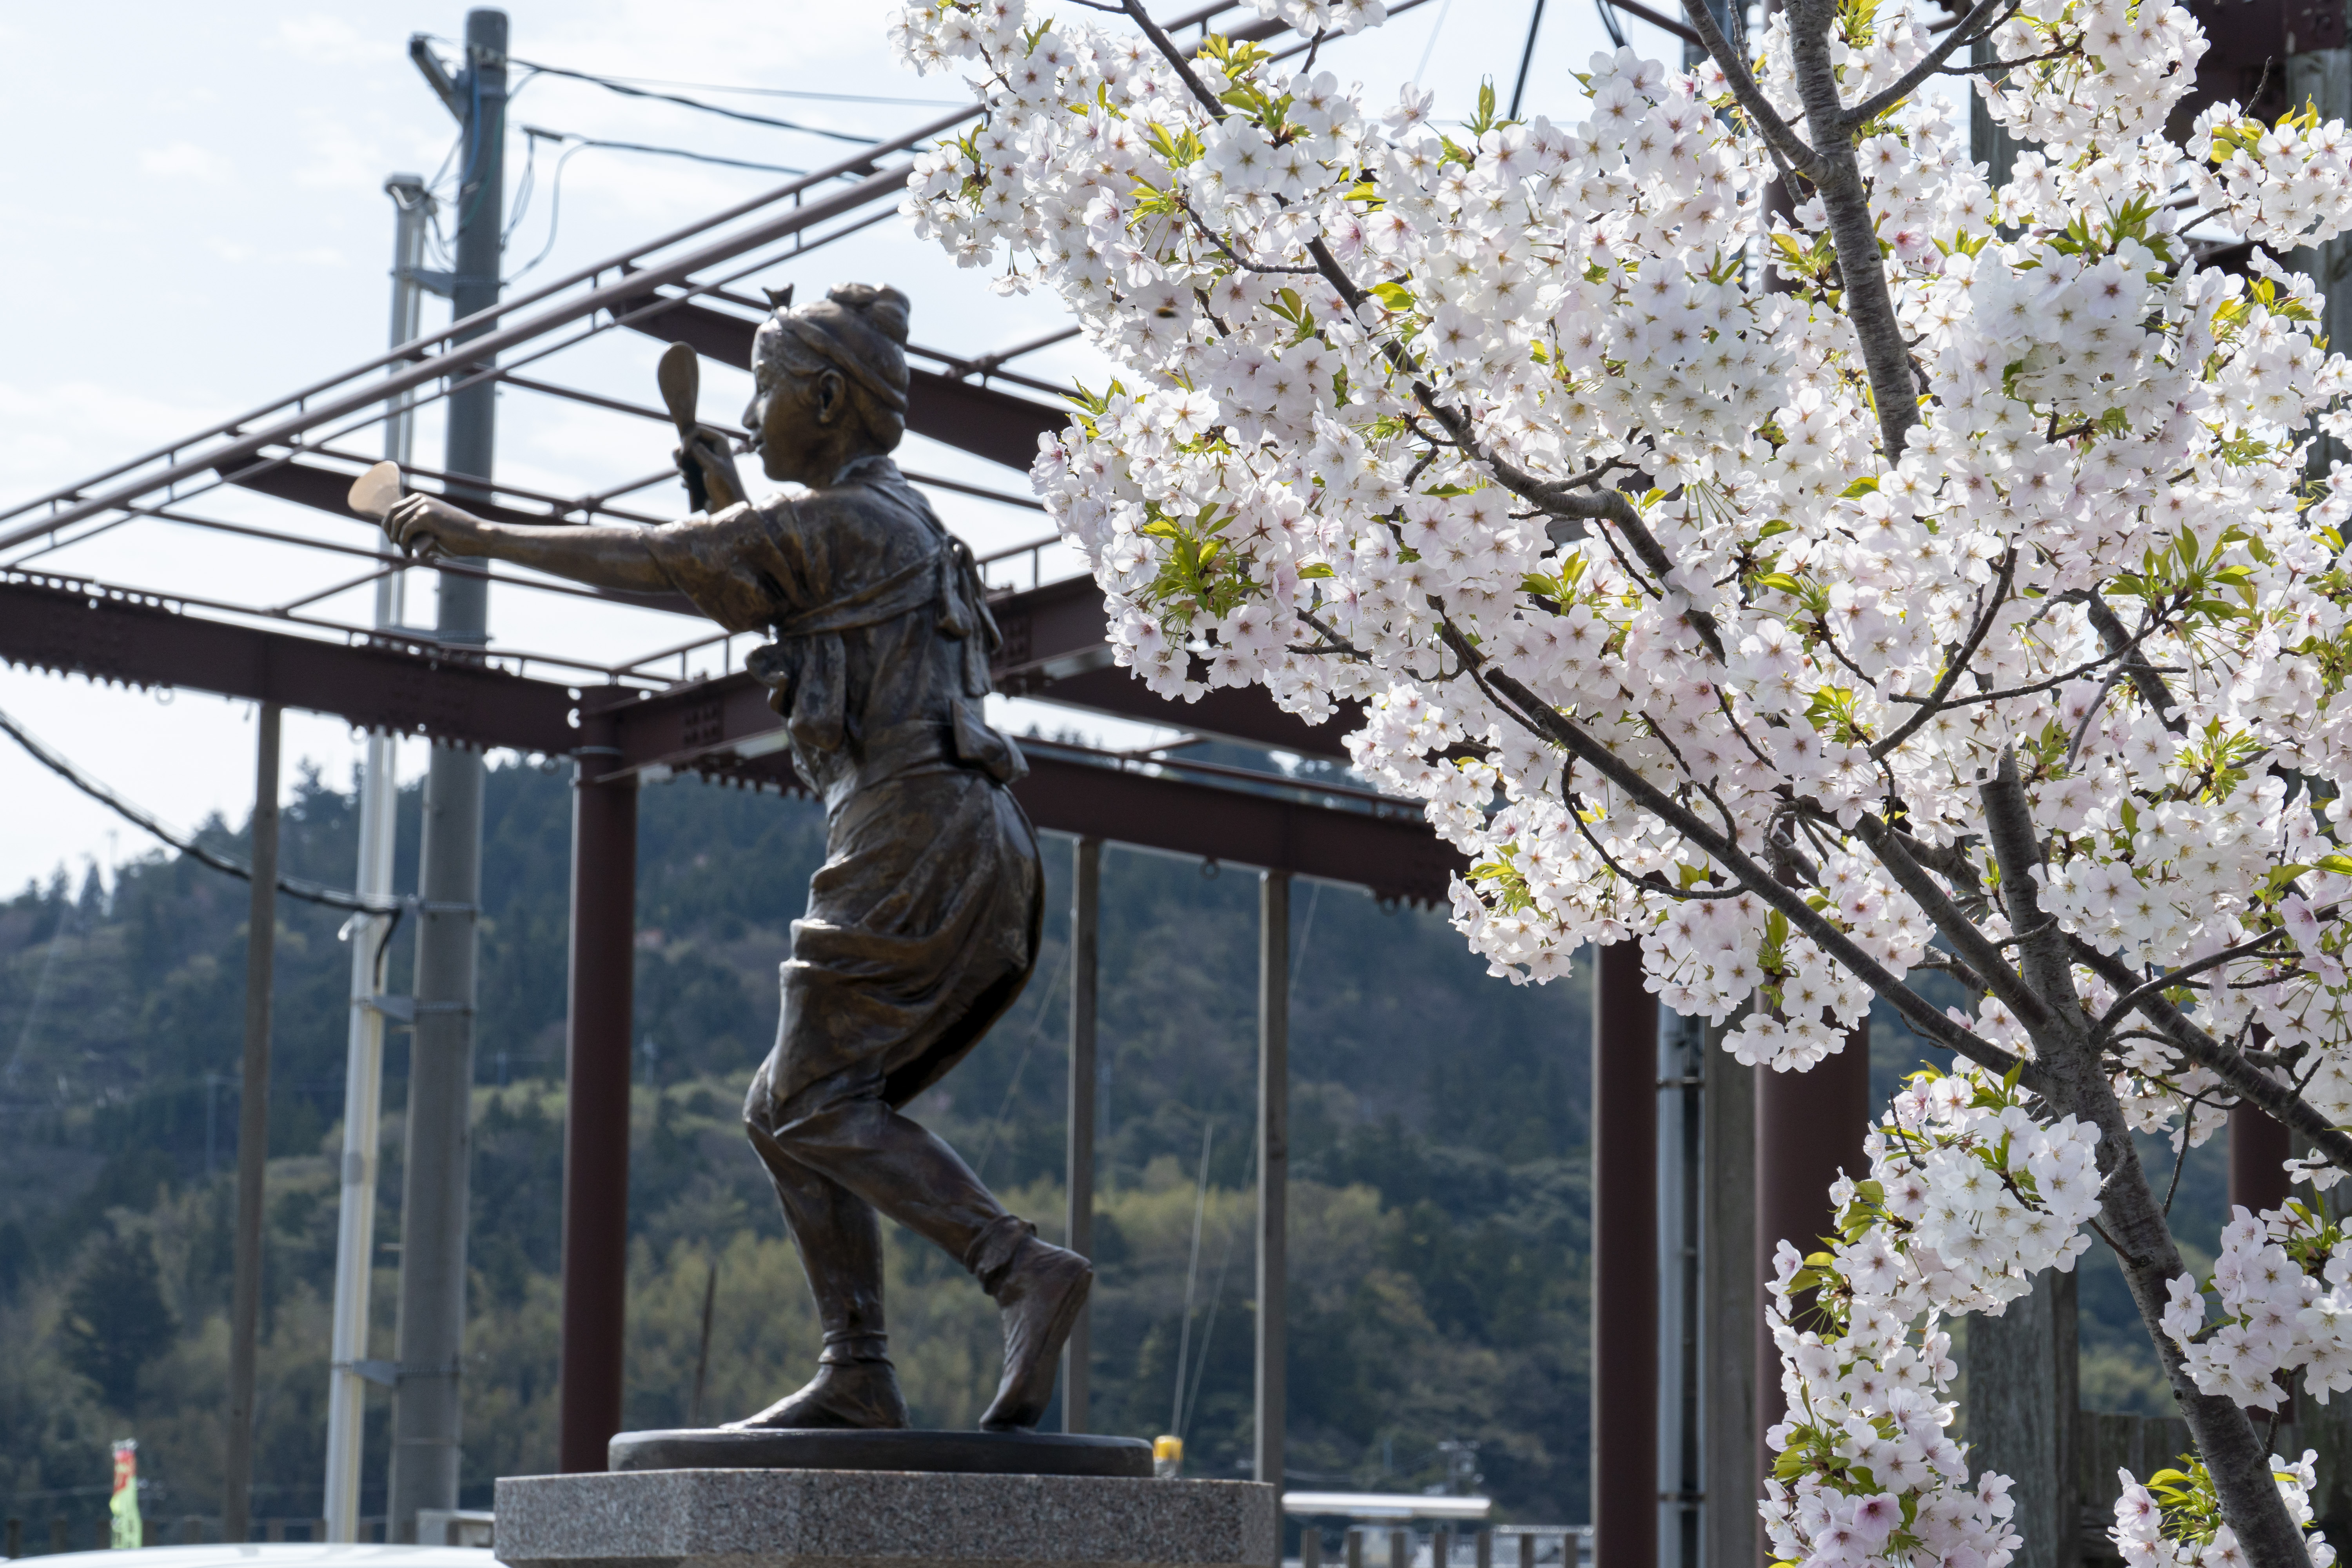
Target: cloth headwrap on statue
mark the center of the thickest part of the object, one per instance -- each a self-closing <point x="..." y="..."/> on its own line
<point x="850" y="330"/>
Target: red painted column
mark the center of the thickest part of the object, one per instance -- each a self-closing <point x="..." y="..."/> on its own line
<point x="596" y="1113"/>
<point x="1625" y="1263"/>
<point x="1809" y="1126"/>
<point x="2258" y="1149"/>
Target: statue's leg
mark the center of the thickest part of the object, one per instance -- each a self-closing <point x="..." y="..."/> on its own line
<point x="840" y="1245"/>
<point x="845" y="1128"/>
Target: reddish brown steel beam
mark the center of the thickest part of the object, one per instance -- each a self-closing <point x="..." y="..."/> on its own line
<point x="1053" y="637"/>
<point x="977" y="419"/>
<point x="417" y="687"/>
<point x="596" y="1123"/>
<point x="708" y="726"/>
<point x="1625" y="1263"/>
<point x="1054" y="650"/>
<point x="2259" y="1148"/>
<point x="1808" y="1127"/>
<point x="400" y="685"/>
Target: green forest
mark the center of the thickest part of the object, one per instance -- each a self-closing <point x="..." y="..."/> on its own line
<point x="1438" y="1206"/>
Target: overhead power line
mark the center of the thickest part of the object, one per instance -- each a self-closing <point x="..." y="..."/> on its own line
<point x="614" y="84"/>
<point x="293" y="886"/>
<point x="578" y="141"/>
<point x="534" y="134"/>
<point x="791" y="92"/>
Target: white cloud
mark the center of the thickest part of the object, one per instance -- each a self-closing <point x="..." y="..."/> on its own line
<point x="184" y="161"/>
<point x="319" y="39"/>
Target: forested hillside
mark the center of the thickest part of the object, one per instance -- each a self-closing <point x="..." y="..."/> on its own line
<point x="1438" y="1199"/>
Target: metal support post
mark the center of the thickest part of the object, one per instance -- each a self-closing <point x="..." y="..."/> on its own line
<point x="597" y="1115"/>
<point x="363" y="1053"/>
<point x="2021" y="1414"/>
<point x="2324" y="78"/>
<point x="1808" y="1127"/>
<point x="252" y="1134"/>
<point x="1729" y="1313"/>
<point x="426" y="1416"/>
<point x="1273" y="1170"/>
<point x="1085" y="903"/>
<point x="1682" y="1111"/>
<point x="1624" y="1261"/>
<point x="2259" y="1148"/>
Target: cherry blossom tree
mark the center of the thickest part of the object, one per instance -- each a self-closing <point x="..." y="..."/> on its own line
<point x="1756" y="536"/>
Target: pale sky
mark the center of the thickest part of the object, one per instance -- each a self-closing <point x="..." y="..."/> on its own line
<point x="197" y="221"/>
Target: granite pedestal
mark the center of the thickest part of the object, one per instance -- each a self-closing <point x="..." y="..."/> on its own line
<point x="874" y="1518"/>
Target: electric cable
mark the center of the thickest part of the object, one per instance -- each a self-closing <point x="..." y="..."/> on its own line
<point x="578" y="140"/>
<point x="1434" y="32"/>
<point x="534" y="134"/>
<point x="1526" y="58"/>
<point x="790" y="92"/>
<point x="293" y="886"/>
<point x="611" y="84"/>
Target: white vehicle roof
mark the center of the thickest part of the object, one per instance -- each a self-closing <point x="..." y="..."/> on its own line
<point x="289" y="1554"/>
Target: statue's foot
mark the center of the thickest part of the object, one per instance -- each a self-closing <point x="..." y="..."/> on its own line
<point x="1040" y="1298"/>
<point x="858" y="1394"/>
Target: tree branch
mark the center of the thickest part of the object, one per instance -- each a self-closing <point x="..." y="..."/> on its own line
<point x="1777" y="134"/>
<point x="2245" y="1080"/>
<point x="1953" y="672"/>
<point x="1972" y="27"/>
<point x="1969" y="942"/>
<point x="2144" y="678"/>
<point x="1837" y="180"/>
<point x="1541" y="718"/>
<point x="2046" y="969"/>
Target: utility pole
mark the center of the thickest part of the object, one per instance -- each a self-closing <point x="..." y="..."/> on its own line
<point x="425" y="1420"/>
<point x="363" y="1066"/>
<point x="252" y="1136"/>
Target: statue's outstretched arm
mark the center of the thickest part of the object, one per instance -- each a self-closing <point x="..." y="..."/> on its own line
<point x="601" y="557"/>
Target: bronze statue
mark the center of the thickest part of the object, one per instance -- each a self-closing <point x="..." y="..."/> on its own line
<point x="923" y="923"/>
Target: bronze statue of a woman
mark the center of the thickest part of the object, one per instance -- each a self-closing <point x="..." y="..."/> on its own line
<point x="923" y="923"/>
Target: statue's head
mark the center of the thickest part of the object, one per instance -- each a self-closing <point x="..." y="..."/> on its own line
<point x="830" y="382"/>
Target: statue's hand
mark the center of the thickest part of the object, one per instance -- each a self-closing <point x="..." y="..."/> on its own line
<point x="709" y="468"/>
<point x="424" y="525"/>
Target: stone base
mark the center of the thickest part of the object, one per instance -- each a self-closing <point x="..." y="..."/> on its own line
<point x="957" y="1453"/>
<point x="852" y="1519"/>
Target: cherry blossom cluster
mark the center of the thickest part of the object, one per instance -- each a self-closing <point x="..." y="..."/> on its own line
<point x="1263" y="501"/>
<point x="2174" y="1519"/>
<point x="1549" y="460"/>
<point x="2285" y="185"/>
<point x="1970" y="1195"/>
<point x="2285" y="1284"/>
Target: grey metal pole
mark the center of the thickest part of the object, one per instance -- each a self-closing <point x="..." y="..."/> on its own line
<point x="252" y="1135"/>
<point x="363" y="1052"/>
<point x="1086" y="900"/>
<point x="434" y="1191"/>
<point x="1729" y="1312"/>
<point x="2324" y="77"/>
<point x="2024" y="1416"/>
<point x="1273" y="1169"/>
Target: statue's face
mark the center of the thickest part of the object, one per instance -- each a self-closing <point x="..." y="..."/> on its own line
<point x="798" y="423"/>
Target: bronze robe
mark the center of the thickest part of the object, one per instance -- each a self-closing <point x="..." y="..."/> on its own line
<point x="923" y="923"/>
